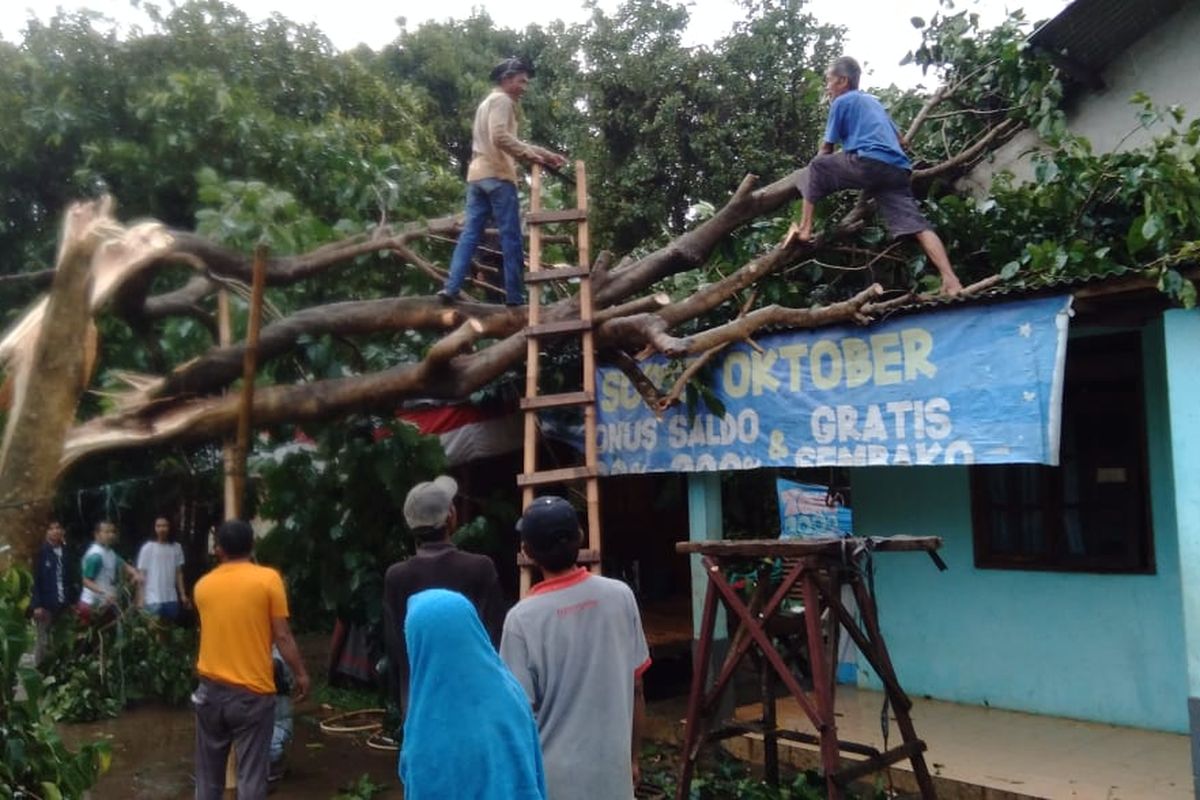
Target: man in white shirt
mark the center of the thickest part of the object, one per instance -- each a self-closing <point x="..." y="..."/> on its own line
<point x="160" y="561"/>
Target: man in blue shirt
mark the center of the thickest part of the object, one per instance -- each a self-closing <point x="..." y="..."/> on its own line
<point x="872" y="159"/>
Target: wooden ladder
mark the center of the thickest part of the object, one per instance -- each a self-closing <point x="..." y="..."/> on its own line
<point x="534" y="402"/>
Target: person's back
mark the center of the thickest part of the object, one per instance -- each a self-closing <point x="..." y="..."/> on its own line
<point x="860" y="124"/>
<point x="437" y="564"/>
<point x="576" y="646"/>
<point x="243" y="610"/>
<point x="469" y="732"/>
<point x="236" y="602"/>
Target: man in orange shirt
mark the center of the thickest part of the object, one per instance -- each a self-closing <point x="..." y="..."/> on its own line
<point x="243" y="611"/>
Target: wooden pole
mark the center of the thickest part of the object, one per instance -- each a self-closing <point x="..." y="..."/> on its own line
<point x="225" y="339"/>
<point x="532" y="355"/>
<point x="249" y="370"/>
<point x="588" y="348"/>
<point x="235" y="455"/>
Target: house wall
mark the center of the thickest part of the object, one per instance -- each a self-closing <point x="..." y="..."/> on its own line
<point x="1164" y="64"/>
<point x="1108" y="648"/>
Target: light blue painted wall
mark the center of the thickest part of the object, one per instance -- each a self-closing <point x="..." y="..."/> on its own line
<point x="1108" y="648"/>
<point x="1182" y="335"/>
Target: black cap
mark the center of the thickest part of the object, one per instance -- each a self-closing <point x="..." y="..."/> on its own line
<point x="510" y="65"/>
<point x="547" y="521"/>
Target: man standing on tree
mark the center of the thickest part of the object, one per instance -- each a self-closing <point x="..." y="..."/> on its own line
<point x="438" y="564"/>
<point x="492" y="182"/>
<point x="577" y="647"/>
<point x="161" y="563"/>
<point x="243" y="611"/>
<point x="872" y="159"/>
<point x="49" y="586"/>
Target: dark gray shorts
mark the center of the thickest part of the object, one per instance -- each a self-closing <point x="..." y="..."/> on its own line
<point x="889" y="185"/>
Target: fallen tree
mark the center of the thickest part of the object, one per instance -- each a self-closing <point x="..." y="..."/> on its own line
<point x="466" y="347"/>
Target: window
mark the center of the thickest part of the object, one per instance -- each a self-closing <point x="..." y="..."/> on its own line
<point x="1091" y="514"/>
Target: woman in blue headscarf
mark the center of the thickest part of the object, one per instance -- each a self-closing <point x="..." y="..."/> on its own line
<point x="469" y="733"/>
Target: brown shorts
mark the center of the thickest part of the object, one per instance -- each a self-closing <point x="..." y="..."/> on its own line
<point x="888" y="185"/>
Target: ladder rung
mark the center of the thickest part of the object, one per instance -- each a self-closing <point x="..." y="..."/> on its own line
<point x="557" y="274"/>
<point x="556" y="476"/>
<point x="563" y="215"/>
<point x="557" y="400"/>
<point x="559" y="328"/>
<point x="585" y="557"/>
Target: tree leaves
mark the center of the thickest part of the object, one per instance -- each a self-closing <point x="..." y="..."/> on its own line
<point x="34" y="761"/>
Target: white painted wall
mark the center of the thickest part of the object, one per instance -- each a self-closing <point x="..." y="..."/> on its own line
<point x="1165" y="64"/>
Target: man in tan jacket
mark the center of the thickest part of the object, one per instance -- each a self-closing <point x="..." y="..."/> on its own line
<point x="492" y="182"/>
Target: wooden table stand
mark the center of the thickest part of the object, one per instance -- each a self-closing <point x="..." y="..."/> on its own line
<point x="816" y="569"/>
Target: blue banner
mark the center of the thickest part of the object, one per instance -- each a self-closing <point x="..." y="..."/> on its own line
<point x="968" y="385"/>
<point x="810" y="510"/>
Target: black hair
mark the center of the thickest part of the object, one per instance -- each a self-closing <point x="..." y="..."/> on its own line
<point x="511" y="66"/>
<point x="560" y="554"/>
<point x="235" y="537"/>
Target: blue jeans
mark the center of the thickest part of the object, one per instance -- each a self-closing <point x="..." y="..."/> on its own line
<point x="493" y="199"/>
<point x="168" y="611"/>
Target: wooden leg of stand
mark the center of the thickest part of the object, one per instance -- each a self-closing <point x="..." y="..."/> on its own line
<point x="900" y="702"/>
<point x="832" y="628"/>
<point x="231" y="770"/>
<point x="770" y="739"/>
<point x="831" y="760"/>
<point x="694" y="726"/>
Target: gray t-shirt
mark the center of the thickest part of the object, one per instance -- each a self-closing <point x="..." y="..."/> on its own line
<point x="576" y="644"/>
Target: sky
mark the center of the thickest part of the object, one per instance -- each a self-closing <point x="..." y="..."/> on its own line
<point x="879" y="32"/>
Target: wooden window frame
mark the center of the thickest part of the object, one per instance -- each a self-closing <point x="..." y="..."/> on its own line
<point x="1139" y="559"/>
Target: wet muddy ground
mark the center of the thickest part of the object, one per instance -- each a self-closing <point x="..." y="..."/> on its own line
<point x="152" y="746"/>
<point x="152" y="757"/>
<point x="152" y="749"/>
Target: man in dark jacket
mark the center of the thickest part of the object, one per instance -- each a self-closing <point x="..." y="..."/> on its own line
<point x="50" y="588"/>
<point x="438" y="564"/>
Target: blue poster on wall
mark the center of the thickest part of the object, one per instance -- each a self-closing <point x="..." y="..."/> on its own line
<point x="970" y="385"/>
<point x="809" y="510"/>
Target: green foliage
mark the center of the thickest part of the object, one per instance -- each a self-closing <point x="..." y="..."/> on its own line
<point x="362" y="789"/>
<point x="34" y="762"/>
<point x="207" y="95"/>
<point x="661" y="125"/>
<point x="97" y="671"/>
<point x="991" y="71"/>
<point x="344" y="698"/>
<point x="1088" y="214"/>
<point x="726" y="777"/>
<point x="338" y="510"/>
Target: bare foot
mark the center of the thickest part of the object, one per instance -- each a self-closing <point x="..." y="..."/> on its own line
<point x="951" y="286"/>
<point x="797" y="234"/>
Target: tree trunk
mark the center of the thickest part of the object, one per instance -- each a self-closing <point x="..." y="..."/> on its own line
<point x="48" y="381"/>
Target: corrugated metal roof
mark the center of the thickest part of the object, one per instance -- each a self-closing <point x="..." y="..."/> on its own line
<point x="1118" y="286"/>
<point x="1049" y="285"/>
<point x="1089" y="34"/>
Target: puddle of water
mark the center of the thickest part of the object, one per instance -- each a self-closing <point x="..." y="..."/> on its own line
<point x="153" y="749"/>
